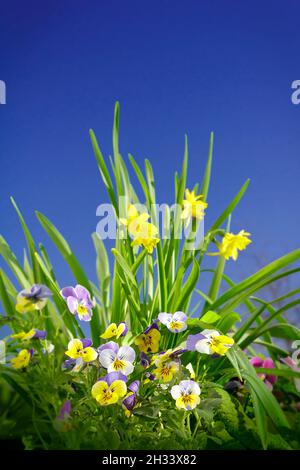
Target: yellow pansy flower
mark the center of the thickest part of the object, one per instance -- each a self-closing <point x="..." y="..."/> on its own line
<point x="81" y="349"/>
<point x="165" y="370"/>
<point x="186" y="394"/>
<point x="22" y="360"/>
<point x="110" y="389"/>
<point x="149" y="340"/>
<point x="23" y="336"/>
<point x="209" y="342"/>
<point x="115" y="330"/>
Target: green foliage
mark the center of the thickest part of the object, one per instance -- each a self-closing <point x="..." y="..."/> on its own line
<point x="135" y="286"/>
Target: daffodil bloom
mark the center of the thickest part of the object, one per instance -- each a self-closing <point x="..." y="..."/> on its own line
<point x="32" y="334"/>
<point x="81" y="349"/>
<point x="144" y="234"/>
<point x="115" y="330"/>
<point x="176" y="323"/>
<point x="165" y="370"/>
<point x="116" y="359"/>
<point x="148" y="341"/>
<point x="110" y="389"/>
<point x="23" y="358"/>
<point x="193" y="206"/>
<point x="209" y="342"/>
<point x="186" y="394"/>
<point x="133" y="218"/>
<point x="231" y="244"/>
<point x="79" y="301"/>
<point x="34" y="298"/>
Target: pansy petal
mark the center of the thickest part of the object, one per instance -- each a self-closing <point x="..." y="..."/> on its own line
<point x="72" y="303"/>
<point x="107" y="357"/>
<point x="180" y="316"/>
<point x="203" y="346"/>
<point x="110" y="345"/>
<point x="112" y="376"/>
<point x="82" y="293"/>
<point x="68" y="292"/>
<point x="122" y="329"/>
<point x="110" y="331"/>
<point x="75" y="345"/>
<point x="86" y="316"/>
<point x="226" y="340"/>
<point x="86" y="342"/>
<point x="165" y="318"/>
<point x="99" y="388"/>
<point x="126" y="353"/>
<point x="89" y="354"/>
<point x="134" y="386"/>
<point x="119" y="387"/>
<point x="192" y="340"/>
<point x="176" y="392"/>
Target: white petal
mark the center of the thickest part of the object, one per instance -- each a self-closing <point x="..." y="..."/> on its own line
<point x="126" y="353"/>
<point x="165" y="318"/>
<point x="176" y="392"/>
<point x="210" y="333"/>
<point x="107" y="357"/>
<point x="202" y="346"/>
<point x="180" y="316"/>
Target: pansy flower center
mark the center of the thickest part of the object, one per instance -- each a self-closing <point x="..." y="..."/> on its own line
<point x="82" y="309"/>
<point x="118" y="364"/>
<point x="187" y="399"/>
<point x="175" y="325"/>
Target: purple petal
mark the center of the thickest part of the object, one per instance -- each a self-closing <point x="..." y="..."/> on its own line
<point x="134" y="386"/>
<point x="68" y="363"/>
<point x="192" y="340"/>
<point x="68" y="292"/>
<point x="180" y="316"/>
<point x="72" y="304"/>
<point x="256" y="361"/>
<point x="268" y="363"/>
<point x="130" y="401"/>
<point x="65" y="410"/>
<point x="112" y="376"/>
<point x="43" y="292"/>
<point x="151" y="327"/>
<point x="86" y="342"/>
<point x="40" y="334"/>
<point x="31" y="352"/>
<point x="144" y="359"/>
<point x="83" y="294"/>
<point x="178" y="352"/>
<point x="110" y="345"/>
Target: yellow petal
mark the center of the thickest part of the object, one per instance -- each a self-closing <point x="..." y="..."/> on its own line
<point x="119" y="387"/>
<point x="89" y="354"/>
<point x="99" y="388"/>
<point x="110" y="331"/>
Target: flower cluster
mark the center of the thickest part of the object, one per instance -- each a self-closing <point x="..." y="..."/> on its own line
<point x="143" y="232"/>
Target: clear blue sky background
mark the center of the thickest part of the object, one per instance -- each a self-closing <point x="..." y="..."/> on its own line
<point x="176" y="67"/>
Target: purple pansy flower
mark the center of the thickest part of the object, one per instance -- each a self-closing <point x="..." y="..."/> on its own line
<point x="65" y="410"/>
<point x="79" y="301"/>
<point x="115" y="358"/>
<point x="36" y="293"/>
<point x="268" y="363"/>
<point x="144" y="359"/>
<point x="130" y="400"/>
<point x="176" y="323"/>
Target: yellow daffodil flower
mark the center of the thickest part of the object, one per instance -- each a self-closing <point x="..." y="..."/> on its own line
<point x="81" y="349"/>
<point x="232" y="243"/>
<point x="193" y="206"/>
<point x="22" y="360"/>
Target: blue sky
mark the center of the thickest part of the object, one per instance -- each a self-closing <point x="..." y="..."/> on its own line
<point x="176" y="67"/>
